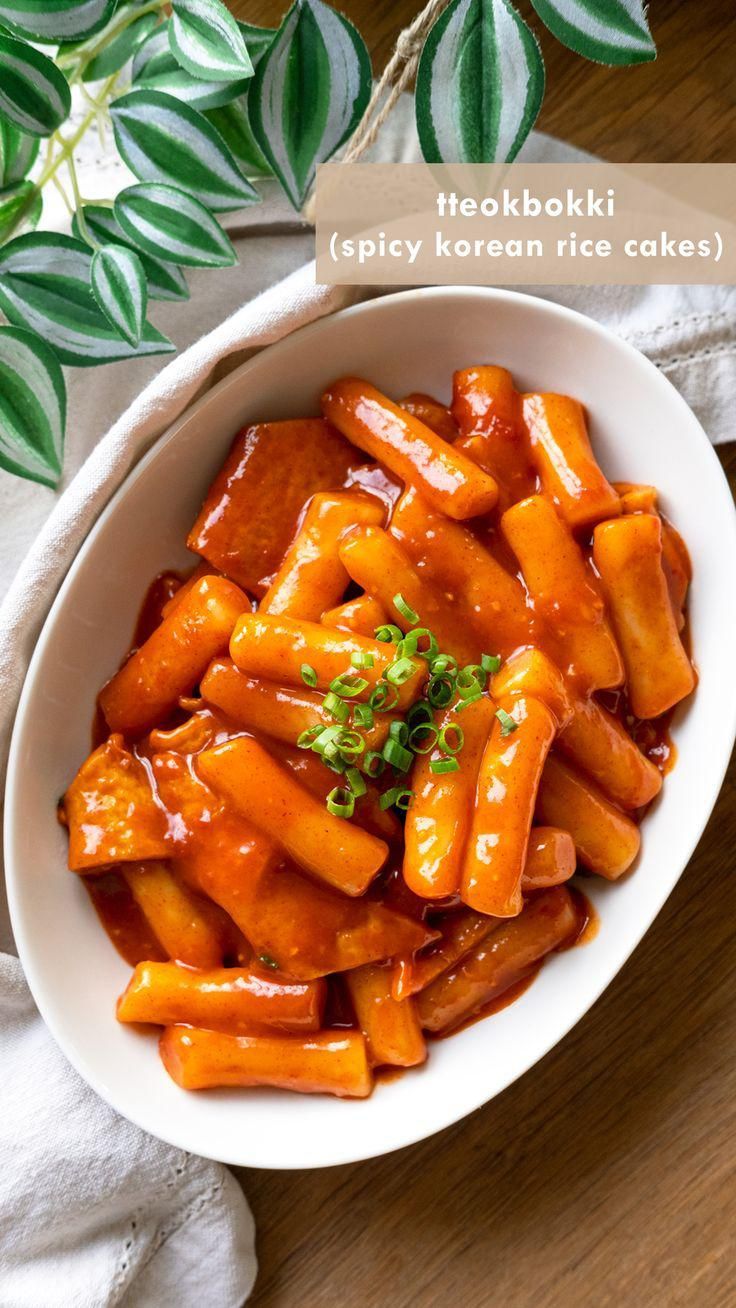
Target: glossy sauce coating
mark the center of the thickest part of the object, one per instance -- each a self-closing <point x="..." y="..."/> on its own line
<point x="279" y="935"/>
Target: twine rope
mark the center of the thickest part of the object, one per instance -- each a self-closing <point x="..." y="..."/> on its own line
<point x="394" y="80"/>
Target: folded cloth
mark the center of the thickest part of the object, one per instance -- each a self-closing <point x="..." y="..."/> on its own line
<point x="92" y="1211"/>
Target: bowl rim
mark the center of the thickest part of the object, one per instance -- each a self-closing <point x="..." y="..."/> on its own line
<point x="39" y="986"/>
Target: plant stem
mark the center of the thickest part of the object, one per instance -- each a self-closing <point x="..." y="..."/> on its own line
<point x="86" y="52"/>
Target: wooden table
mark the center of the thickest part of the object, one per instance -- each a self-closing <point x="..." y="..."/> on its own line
<point x="606" y="1175"/>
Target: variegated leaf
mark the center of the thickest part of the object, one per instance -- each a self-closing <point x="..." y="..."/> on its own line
<point x="56" y="21"/>
<point x="119" y="287"/>
<point x="120" y="49"/>
<point x="480" y="84"/>
<point x="18" y="153"/>
<point x="232" y="121"/>
<point x="34" y="94"/>
<point x="156" y="69"/>
<point x="607" y="31"/>
<point x="206" y="40"/>
<point x="45" y="286"/>
<point x="164" y="221"/>
<point x="32" y="407"/>
<point x="20" y="207"/>
<point x="163" y="140"/>
<point x="165" y="280"/>
<point x="315" y="48"/>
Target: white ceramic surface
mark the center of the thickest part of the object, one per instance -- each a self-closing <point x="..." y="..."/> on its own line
<point x="641" y="430"/>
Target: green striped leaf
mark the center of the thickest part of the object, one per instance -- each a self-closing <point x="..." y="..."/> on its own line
<point x="56" y="21"/>
<point x="206" y="40"/>
<point x="156" y="69"/>
<point x="119" y="287"/>
<point x="162" y="220"/>
<point x="34" y="94"/>
<point x="257" y="40"/>
<point x="32" y="407"/>
<point x="309" y="92"/>
<point x="20" y="206"/>
<point x="45" y="286"/>
<point x="232" y="121"/>
<point x="165" y="280"/>
<point x="607" y="31"/>
<point x="480" y="84"/>
<point x="18" y="153"/>
<point x="163" y="140"/>
<point x="121" y="48"/>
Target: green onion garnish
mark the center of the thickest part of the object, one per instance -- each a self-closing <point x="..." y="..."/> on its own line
<point x="326" y="737"/>
<point x="423" y="737"/>
<point x="267" y="960"/>
<point x="350" y="744"/>
<point x="406" y="611"/>
<point x="395" y="796"/>
<point x="400" y="671"/>
<point x="333" y="704"/>
<point x="361" y="660"/>
<point x="467" y="701"/>
<point x="363" y="716"/>
<point x="389" y="634"/>
<point x="444" y="663"/>
<point x="444" y="765"/>
<point x="397" y="755"/>
<point x="373" y="764"/>
<point x="348" y="686"/>
<point x="356" y="782"/>
<point x="440" y="690"/>
<point x="490" y="663"/>
<point x="384" y="698"/>
<point x="470" y="679"/>
<point x="451" y="746"/>
<point x="507" y="722"/>
<point x="410" y="644"/>
<point x="421" y="711"/>
<point x="340" y="802"/>
<point x="399" y="731"/>
<point x="306" y="739"/>
<point x="309" y="676"/>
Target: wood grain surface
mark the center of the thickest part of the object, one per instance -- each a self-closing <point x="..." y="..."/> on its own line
<point x="607" y="1175"/>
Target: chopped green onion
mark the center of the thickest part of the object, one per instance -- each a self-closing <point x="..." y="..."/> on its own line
<point x="347" y="687"/>
<point x="373" y="764"/>
<point x="267" y="960"/>
<point x="444" y="663"/>
<point x="395" y="796"/>
<point x="421" y="711"/>
<point x="444" y="742"/>
<point x="334" y="761"/>
<point x="309" y="676"/>
<point x="440" y="765"/>
<point x="420" y="743"/>
<point x="470" y="679"/>
<point x="389" y="634"/>
<point x="326" y="736"/>
<point x="467" y="701"/>
<point x="400" y="671"/>
<point x="333" y="704"/>
<point x="356" y="782"/>
<point x="399" y="731"/>
<point x="384" y="698"/>
<point x="406" y="611"/>
<point x="410" y="644"/>
<point x="350" y="744"/>
<point x="340" y="802"/>
<point x="397" y="755"/>
<point x="490" y="663"/>
<point x="363" y="716"/>
<point x="507" y="722"/>
<point x="361" y="660"/>
<point x="306" y="739"/>
<point x="440" y="690"/>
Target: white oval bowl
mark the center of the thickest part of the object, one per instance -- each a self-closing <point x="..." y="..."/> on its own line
<point x="642" y="431"/>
